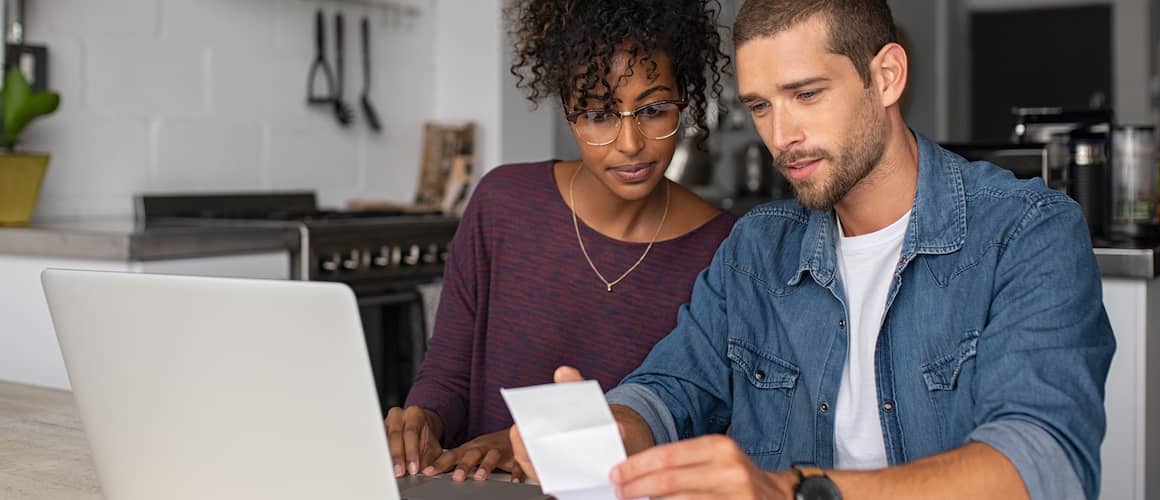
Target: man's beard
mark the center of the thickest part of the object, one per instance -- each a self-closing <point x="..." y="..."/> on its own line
<point x="856" y="160"/>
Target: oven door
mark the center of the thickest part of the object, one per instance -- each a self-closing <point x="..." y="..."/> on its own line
<point x="396" y="335"/>
<point x="1026" y="161"/>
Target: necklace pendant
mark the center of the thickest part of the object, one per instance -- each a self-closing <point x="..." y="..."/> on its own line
<point x="609" y="288"/>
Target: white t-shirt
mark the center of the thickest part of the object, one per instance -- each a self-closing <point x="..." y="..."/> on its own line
<point x="866" y="264"/>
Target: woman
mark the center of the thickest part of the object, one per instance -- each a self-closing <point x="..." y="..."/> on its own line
<point x="581" y="263"/>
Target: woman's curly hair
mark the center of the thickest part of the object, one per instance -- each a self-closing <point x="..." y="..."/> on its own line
<point x="565" y="48"/>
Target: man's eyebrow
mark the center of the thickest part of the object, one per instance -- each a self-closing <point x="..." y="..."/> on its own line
<point x="802" y="83"/>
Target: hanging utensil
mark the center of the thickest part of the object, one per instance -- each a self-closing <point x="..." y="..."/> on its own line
<point x="368" y="108"/>
<point x="320" y="65"/>
<point x="342" y="111"/>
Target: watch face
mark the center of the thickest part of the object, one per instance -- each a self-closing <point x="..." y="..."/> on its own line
<point x="818" y="488"/>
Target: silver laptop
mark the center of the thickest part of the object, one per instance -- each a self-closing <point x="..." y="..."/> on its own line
<point x="197" y="388"/>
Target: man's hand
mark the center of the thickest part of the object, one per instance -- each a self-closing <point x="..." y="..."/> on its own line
<point x="480" y="457"/>
<point x="413" y="435"/>
<point x="563" y="374"/>
<point x="707" y="467"/>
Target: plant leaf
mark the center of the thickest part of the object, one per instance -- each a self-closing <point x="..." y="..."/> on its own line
<point x="19" y="106"/>
<point x="16" y="90"/>
<point x="38" y="104"/>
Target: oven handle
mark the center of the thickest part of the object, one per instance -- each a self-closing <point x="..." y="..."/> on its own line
<point x="388" y="299"/>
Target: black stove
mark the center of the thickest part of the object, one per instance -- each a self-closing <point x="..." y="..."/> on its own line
<point x="355" y="247"/>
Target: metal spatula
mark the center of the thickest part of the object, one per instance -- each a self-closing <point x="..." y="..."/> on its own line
<point x="342" y="111"/>
<point x="368" y="108"/>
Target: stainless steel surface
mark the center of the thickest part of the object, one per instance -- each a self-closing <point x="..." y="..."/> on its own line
<point x="14" y="21"/>
<point x="1134" y="180"/>
<point x="1134" y="263"/>
<point x="125" y="240"/>
<point x="692" y="164"/>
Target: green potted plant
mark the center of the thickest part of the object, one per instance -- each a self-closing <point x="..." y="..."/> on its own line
<point x="20" y="173"/>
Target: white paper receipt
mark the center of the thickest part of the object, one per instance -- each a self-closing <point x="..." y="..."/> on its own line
<point x="571" y="437"/>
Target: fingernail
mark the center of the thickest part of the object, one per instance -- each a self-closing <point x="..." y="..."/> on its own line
<point x="398" y="470"/>
<point x="459" y="475"/>
<point x="480" y="475"/>
<point x="515" y="479"/>
<point x="413" y="468"/>
<point x="614" y="475"/>
<point x="429" y="471"/>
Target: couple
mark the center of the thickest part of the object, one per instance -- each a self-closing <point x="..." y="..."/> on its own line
<point x="911" y="326"/>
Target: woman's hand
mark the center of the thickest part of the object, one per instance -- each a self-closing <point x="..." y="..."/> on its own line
<point x="413" y="435"/>
<point x="479" y="457"/>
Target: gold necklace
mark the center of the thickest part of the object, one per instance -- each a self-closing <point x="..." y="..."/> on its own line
<point x="576" y="224"/>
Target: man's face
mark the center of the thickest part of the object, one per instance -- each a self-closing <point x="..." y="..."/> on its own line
<point x="825" y="128"/>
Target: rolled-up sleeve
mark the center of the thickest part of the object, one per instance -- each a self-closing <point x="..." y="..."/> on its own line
<point x="682" y="387"/>
<point x="1044" y="356"/>
<point x="1046" y="471"/>
<point x="645" y="403"/>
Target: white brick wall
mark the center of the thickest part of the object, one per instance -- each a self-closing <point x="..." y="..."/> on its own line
<point x="183" y="95"/>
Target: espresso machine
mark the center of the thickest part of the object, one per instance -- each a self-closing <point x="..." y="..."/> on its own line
<point x="1110" y="170"/>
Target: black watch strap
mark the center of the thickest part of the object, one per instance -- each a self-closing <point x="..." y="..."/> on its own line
<point x="814" y="484"/>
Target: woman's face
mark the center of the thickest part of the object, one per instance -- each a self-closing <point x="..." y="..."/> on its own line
<point x="634" y="162"/>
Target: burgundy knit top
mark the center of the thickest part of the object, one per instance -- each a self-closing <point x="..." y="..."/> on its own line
<point x="519" y="300"/>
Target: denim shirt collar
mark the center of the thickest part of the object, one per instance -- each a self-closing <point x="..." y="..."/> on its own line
<point x="938" y="220"/>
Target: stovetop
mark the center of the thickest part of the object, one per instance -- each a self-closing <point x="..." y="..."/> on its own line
<point x="292" y="207"/>
<point x="347" y="246"/>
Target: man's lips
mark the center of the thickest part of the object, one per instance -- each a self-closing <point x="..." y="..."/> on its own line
<point x="801" y="163"/>
<point x="801" y="169"/>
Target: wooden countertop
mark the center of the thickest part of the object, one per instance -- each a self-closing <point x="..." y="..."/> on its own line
<point x="43" y="451"/>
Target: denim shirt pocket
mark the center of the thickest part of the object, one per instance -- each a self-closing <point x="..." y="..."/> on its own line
<point x="763" y="388"/>
<point x="943" y="376"/>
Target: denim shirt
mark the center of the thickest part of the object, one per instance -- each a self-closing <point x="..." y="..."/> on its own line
<point x="994" y="331"/>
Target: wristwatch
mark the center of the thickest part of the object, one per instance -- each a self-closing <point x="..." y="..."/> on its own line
<point x="814" y="484"/>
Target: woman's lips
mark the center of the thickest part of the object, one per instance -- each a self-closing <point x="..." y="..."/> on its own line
<point x="635" y="173"/>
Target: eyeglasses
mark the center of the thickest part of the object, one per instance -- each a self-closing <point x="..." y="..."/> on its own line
<point x="601" y="127"/>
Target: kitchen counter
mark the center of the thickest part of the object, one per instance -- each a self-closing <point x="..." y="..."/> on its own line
<point x="1129" y="260"/>
<point x="127" y="240"/>
<point x="43" y="453"/>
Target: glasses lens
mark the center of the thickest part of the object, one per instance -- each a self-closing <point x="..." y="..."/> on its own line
<point x="597" y="126"/>
<point x="660" y="120"/>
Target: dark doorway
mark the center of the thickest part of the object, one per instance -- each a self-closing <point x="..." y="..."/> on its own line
<point x="1057" y="57"/>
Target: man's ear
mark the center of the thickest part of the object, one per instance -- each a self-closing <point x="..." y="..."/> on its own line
<point x="888" y="73"/>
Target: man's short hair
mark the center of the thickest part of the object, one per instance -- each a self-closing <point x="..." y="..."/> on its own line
<point x="858" y="29"/>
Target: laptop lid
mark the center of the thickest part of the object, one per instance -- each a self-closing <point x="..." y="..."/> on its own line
<point x="196" y="388"/>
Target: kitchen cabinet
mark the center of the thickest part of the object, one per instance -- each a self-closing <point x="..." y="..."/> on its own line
<point x="1130" y="454"/>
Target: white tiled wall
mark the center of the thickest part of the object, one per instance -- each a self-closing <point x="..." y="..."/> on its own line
<point x="185" y="95"/>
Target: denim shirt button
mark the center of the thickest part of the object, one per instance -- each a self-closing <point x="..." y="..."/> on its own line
<point x="759" y="375"/>
<point x="824" y="407"/>
<point x="841" y="323"/>
<point x="888" y="406"/>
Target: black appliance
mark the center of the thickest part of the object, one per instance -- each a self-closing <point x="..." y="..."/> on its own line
<point x="1026" y="161"/>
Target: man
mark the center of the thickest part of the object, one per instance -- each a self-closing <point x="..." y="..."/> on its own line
<point x="912" y="326"/>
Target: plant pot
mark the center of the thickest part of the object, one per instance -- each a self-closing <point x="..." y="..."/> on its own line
<point x="20" y="178"/>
